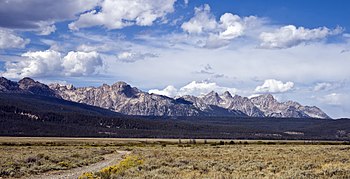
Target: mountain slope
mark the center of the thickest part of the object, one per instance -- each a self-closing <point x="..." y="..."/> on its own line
<point x="125" y="99"/>
<point x="121" y="97"/>
<point x="272" y="108"/>
<point x="26" y="86"/>
<point x="44" y="106"/>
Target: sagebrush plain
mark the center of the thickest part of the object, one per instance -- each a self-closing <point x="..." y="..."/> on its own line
<point x="176" y="158"/>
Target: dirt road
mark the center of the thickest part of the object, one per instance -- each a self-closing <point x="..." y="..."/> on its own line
<point x="110" y="159"/>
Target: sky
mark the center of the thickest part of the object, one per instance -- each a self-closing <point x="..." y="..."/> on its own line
<point x="294" y="49"/>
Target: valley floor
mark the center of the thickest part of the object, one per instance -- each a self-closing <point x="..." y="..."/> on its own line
<point x="153" y="158"/>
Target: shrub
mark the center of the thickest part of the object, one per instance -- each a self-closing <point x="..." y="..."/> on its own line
<point x="106" y="173"/>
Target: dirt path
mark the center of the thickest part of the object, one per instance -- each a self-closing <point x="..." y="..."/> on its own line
<point x="110" y="159"/>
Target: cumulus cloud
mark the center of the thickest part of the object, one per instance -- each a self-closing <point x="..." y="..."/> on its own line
<point x="116" y="14"/>
<point x="9" y="39"/>
<point x="218" y="33"/>
<point x="81" y="63"/>
<point x="194" y="88"/>
<point x="289" y="36"/>
<point x="52" y="63"/>
<point x="202" y="21"/>
<point x="130" y="57"/>
<point x="39" y="15"/>
<point x="46" y="28"/>
<point x="169" y="91"/>
<point x="232" y="25"/>
<point x="274" y="86"/>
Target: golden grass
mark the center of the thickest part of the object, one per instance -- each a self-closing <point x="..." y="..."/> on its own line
<point x="114" y="171"/>
<point x="19" y="161"/>
<point x="243" y="161"/>
<point x="168" y="158"/>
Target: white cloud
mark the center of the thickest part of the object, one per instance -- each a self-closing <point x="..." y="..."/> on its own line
<point x="322" y="86"/>
<point x="289" y="36"/>
<point x="45" y="63"/>
<point x="202" y="21"/>
<point x="232" y="25"/>
<point x="46" y="28"/>
<point x="51" y="63"/>
<point x="169" y="91"/>
<point x="130" y="57"/>
<point x="274" y="86"/>
<point x="81" y="63"/>
<point x="214" y="41"/>
<point x="194" y="88"/>
<point x="116" y="14"/>
<point x="217" y="33"/>
<point x="8" y="39"/>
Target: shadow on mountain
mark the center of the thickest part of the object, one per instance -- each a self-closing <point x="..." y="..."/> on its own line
<point x="35" y="115"/>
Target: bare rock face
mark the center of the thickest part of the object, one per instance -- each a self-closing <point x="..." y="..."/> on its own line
<point x="245" y="105"/>
<point x="290" y="109"/>
<point x="210" y="104"/>
<point x="235" y="104"/>
<point x="34" y="87"/>
<point x="121" y="97"/>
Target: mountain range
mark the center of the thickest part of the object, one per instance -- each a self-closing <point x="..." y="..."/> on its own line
<point x="122" y="98"/>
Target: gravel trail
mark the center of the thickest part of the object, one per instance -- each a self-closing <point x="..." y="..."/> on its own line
<point x="110" y="159"/>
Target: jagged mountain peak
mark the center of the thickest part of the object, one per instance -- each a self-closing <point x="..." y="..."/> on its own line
<point x="7" y="85"/>
<point x="236" y="96"/>
<point x="27" y="80"/>
<point x="265" y="97"/>
<point x="26" y="85"/>
<point x="226" y="95"/>
<point x="124" y="88"/>
<point x="122" y="97"/>
<point x="58" y="85"/>
<point x="3" y="79"/>
<point x="272" y="108"/>
<point x="212" y="93"/>
<point x="212" y="98"/>
<point x="121" y="84"/>
<point x="293" y="103"/>
<point x="264" y="101"/>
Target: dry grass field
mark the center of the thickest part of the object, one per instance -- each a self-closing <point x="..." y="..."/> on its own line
<point x="19" y="161"/>
<point x="152" y="158"/>
<point x="243" y="161"/>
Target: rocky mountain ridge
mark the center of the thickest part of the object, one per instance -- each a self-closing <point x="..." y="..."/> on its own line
<point x="121" y="97"/>
<point x="26" y="86"/>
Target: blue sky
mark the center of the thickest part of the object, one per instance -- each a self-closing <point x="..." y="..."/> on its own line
<point x="297" y="50"/>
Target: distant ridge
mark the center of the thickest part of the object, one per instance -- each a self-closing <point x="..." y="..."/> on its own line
<point x="29" y="108"/>
<point x="122" y="98"/>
